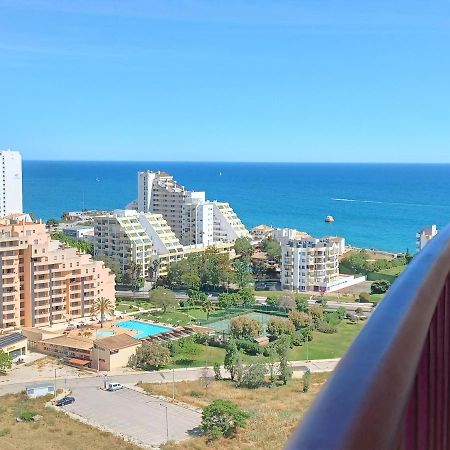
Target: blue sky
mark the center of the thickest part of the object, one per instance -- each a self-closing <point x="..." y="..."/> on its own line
<point x="229" y="80"/>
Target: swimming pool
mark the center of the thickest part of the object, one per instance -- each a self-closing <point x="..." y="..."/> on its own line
<point x="144" y="329"/>
<point x="104" y="333"/>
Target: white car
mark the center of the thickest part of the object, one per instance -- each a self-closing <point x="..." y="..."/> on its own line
<point x="115" y="386"/>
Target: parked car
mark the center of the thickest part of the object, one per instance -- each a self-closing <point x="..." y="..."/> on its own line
<point x="115" y="386"/>
<point x="65" y="401"/>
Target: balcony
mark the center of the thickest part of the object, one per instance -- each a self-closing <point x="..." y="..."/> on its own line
<point x="392" y="388"/>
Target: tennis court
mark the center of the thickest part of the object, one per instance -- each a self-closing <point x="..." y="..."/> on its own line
<point x="224" y="324"/>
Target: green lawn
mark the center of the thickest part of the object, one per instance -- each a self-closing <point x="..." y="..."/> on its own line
<point x="326" y="346"/>
<point x="323" y="346"/>
<point x="393" y="270"/>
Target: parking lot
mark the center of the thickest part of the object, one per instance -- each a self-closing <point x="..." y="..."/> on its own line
<point x="134" y="414"/>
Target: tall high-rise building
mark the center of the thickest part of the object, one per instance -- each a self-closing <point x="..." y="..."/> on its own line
<point x="193" y="219"/>
<point x="43" y="282"/>
<point x="11" y="182"/>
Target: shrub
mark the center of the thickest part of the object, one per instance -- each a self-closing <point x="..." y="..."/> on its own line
<point x="306" y="380"/>
<point x="27" y="416"/>
<point x="278" y="326"/>
<point x="302" y="303"/>
<point x="364" y="297"/>
<point x="316" y="313"/>
<point x="222" y="418"/>
<point x="332" y="318"/>
<point x="341" y="312"/>
<point x="380" y="286"/>
<point x="273" y="300"/>
<point x="253" y="375"/>
<point x="297" y="338"/>
<point x="248" y="347"/>
<point x="217" y="374"/>
<point x="325" y="327"/>
<point x="200" y="338"/>
<point x="184" y="344"/>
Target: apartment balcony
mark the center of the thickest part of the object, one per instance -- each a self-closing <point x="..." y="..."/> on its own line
<point x="392" y="388"/>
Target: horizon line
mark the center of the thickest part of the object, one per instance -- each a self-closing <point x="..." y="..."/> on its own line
<point x="237" y="162"/>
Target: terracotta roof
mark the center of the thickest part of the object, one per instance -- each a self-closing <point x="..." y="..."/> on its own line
<point x="117" y="342"/>
<point x="68" y="341"/>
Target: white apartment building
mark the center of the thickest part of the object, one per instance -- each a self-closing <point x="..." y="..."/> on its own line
<point x="193" y="219"/>
<point x="128" y="236"/>
<point x="11" y="183"/>
<point x="424" y="236"/>
<point x="311" y="264"/>
<point x="121" y="237"/>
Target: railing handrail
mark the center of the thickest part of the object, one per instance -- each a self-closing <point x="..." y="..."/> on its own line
<point x="363" y="403"/>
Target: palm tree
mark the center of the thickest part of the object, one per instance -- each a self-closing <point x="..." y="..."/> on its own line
<point x="154" y="269"/>
<point x="102" y="306"/>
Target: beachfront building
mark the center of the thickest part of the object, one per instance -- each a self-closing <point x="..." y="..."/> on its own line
<point x="10" y="182"/>
<point x="145" y="239"/>
<point x="43" y="282"/>
<point x="424" y="236"/>
<point x="311" y="264"/>
<point x="261" y="232"/>
<point x="193" y="219"/>
<point x="121" y="237"/>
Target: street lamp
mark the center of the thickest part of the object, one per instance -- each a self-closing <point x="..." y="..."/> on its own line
<point x="167" y="417"/>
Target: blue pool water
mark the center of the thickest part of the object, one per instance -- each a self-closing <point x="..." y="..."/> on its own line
<point x="144" y="329"/>
<point x="104" y="333"/>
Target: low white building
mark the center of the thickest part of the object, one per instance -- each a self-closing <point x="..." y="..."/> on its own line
<point x="312" y="265"/>
<point x="424" y="236"/>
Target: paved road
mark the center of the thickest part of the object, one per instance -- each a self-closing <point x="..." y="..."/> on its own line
<point x="134" y="414"/>
<point x="163" y="376"/>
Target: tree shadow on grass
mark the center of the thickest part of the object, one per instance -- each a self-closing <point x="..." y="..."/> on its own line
<point x="184" y="362"/>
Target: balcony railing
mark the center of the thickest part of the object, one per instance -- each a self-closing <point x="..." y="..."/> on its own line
<point x="392" y="388"/>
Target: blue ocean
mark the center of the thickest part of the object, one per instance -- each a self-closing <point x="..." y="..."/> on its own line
<point x="374" y="205"/>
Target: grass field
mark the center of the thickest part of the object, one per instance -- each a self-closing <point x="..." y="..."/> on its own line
<point x="327" y="346"/>
<point x="55" y="431"/>
<point x="274" y="412"/>
<point x="323" y="346"/>
<point x="224" y="324"/>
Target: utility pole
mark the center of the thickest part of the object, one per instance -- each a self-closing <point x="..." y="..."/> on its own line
<point x="173" y="384"/>
<point x="54" y="387"/>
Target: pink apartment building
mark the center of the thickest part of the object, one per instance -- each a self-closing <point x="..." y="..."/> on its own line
<point x="43" y="282"/>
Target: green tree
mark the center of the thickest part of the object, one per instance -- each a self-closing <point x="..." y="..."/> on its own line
<point x="299" y="319"/>
<point x="102" y="306"/>
<point x="5" y="361"/>
<point x="285" y="368"/>
<point x="222" y="418"/>
<point x="243" y="247"/>
<point x="217" y="373"/>
<point x="163" y="298"/>
<point x="242" y="273"/>
<point x="226" y="300"/>
<point x="273" y="249"/>
<point x="198" y="297"/>
<point x="306" y="380"/>
<point x="152" y="355"/>
<point x="154" y="269"/>
<point x="208" y="307"/>
<point x="273" y="300"/>
<point x="231" y="358"/>
<point x="243" y="327"/>
<point x="341" y="312"/>
<point x="253" y="375"/>
<point x="247" y="296"/>
<point x="278" y="326"/>
<point x="302" y="303"/>
<point x="380" y="287"/>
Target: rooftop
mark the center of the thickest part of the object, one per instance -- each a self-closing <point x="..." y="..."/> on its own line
<point x="68" y="341"/>
<point x="117" y="342"/>
<point x="11" y="339"/>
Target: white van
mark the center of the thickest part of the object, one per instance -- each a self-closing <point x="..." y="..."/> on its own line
<point x="115" y="386"/>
